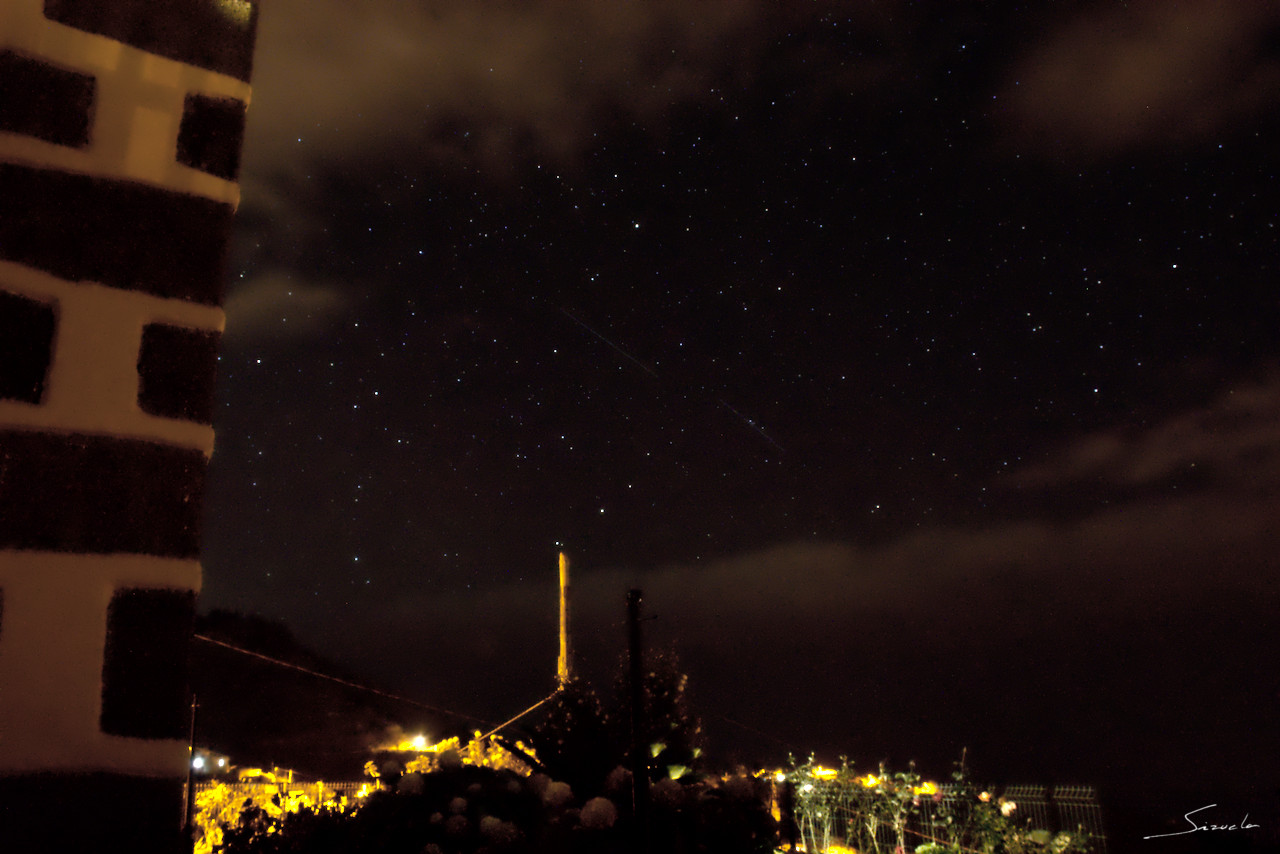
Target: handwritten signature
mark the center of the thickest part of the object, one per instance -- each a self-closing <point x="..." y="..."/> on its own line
<point x="1243" y="825"/>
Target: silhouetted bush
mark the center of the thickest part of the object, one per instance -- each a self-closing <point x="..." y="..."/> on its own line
<point x="472" y="810"/>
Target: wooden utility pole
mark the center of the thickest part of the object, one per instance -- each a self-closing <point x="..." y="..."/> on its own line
<point x="639" y="725"/>
<point x="189" y="805"/>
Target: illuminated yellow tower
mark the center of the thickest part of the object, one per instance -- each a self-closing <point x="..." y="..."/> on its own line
<point x="564" y="667"/>
<point x="121" y="123"/>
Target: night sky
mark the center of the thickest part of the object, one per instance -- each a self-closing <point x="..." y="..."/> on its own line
<point x="919" y="361"/>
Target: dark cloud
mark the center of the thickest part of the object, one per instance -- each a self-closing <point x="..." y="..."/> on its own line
<point x="1098" y="562"/>
<point x="275" y="306"/>
<point x="479" y="81"/>
<point x="762" y="613"/>
<point x="1234" y="441"/>
<point x="1182" y="510"/>
<point x="1124" y="76"/>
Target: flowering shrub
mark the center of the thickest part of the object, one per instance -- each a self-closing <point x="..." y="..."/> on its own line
<point x="467" y="809"/>
<point x="839" y="810"/>
<point x="418" y="755"/>
<point x="264" y="806"/>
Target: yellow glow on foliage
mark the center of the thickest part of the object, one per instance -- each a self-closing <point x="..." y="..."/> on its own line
<point x="479" y="751"/>
<point x="275" y="792"/>
<point x="257" y="775"/>
<point x="824" y="773"/>
<point x="240" y="11"/>
<point x="221" y="804"/>
<point x="925" y="788"/>
<point x="869" y="781"/>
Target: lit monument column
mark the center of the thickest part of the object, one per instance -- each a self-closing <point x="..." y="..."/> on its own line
<point x="121" y="124"/>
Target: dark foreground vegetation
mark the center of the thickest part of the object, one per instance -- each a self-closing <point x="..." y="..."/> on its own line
<point x="470" y="809"/>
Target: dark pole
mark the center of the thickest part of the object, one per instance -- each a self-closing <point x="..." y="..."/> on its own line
<point x="188" y="825"/>
<point x="639" y="729"/>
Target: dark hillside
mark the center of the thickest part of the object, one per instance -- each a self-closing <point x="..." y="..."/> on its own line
<point x="262" y="713"/>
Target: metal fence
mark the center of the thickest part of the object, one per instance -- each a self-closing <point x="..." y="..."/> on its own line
<point x="318" y="793"/>
<point x="1077" y="806"/>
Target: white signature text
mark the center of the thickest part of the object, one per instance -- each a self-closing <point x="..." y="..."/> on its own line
<point x="1243" y="825"/>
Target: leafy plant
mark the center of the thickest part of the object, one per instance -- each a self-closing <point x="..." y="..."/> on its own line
<point x="840" y="810"/>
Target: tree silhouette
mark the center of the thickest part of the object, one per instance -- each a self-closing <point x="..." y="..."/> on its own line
<point x="672" y="731"/>
<point x="575" y="741"/>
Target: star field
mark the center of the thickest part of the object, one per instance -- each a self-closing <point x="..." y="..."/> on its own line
<point x="799" y="340"/>
<point x="826" y="306"/>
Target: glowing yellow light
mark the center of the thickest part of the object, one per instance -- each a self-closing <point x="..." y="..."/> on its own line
<point x="984" y="797"/>
<point x="780" y="777"/>
<point x="824" y="773"/>
<point x="925" y="788"/>
<point x="479" y="751"/>
<point x="240" y="11"/>
<point x="869" y="780"/>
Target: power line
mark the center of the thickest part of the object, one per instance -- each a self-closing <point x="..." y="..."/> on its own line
<point x="503" y="726"/>
<point x="345" y="682"/>
<point x="759" y="732"/>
